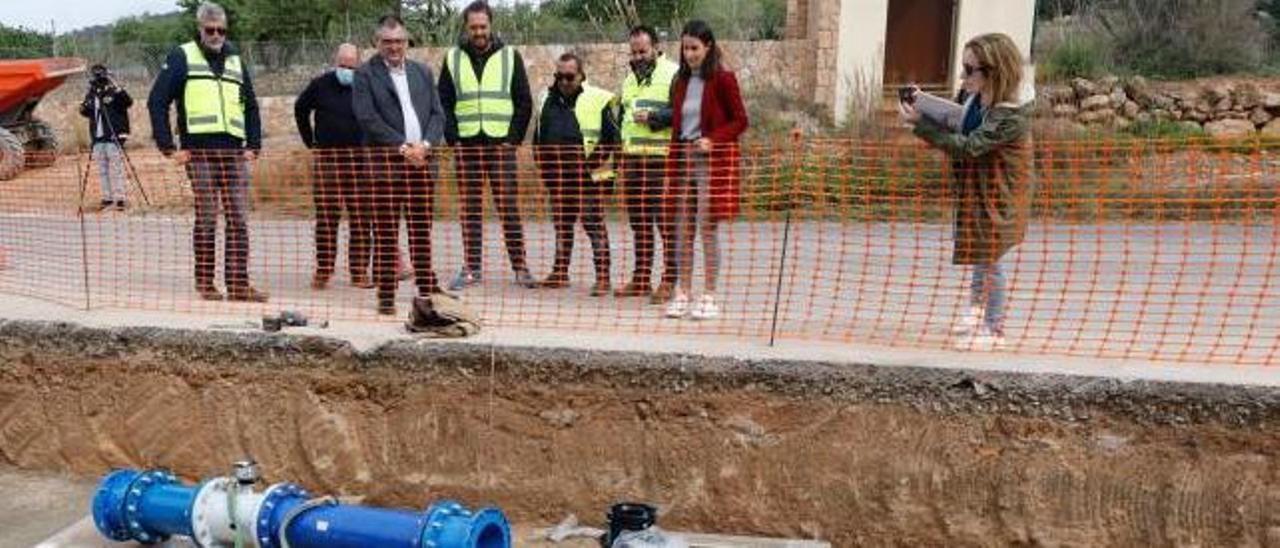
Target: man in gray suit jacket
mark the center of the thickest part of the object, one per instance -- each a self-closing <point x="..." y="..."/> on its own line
<point x="396" y="104"/>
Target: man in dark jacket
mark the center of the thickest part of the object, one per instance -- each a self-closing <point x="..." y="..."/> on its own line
<point x="396" y="104"/>
<point x="338" y="168"/>
<point x="485" y="93"/>
<point x="577" y="133"/>
<point x="220" y="132"/>
<point x="106" y="105"/>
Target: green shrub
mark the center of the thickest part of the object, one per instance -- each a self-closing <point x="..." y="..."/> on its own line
<point x="1079" y="56"/>
<point x="1186" y="38"/>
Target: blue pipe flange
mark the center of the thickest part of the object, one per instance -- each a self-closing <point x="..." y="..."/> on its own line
<point x="449" y="524"/>
<point x="118" y="500"/>
<point x="108" y="504"/>
<point x="276" y="503"/>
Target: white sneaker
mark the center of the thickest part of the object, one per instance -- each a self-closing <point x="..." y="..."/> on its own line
<point x="970" y="322"/>
<point x="679" y="306"/>
<point x="980" y="340"/>
<point x="705" y="309"/>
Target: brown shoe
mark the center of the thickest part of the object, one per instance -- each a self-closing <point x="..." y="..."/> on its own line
<point x="247" y="294"/>
<point x="662" y="294"/>
<point x="209" y="292"/>
<point x="361" y="281"/>
<point x="556" y="280"/>
<point x="387" y="305"/>
<point x="601" y="289"/>
<point x="319" y="283"/>
<point x="634" y="289"/>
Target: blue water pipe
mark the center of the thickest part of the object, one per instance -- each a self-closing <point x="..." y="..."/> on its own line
<point x="150" y="506"/>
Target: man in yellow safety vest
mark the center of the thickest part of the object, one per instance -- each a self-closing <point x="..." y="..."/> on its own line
<point x="646" y="135"/>
<point x="485" y="93"/>
<point x="220" y="132"/>
<point x="576" y="135"/>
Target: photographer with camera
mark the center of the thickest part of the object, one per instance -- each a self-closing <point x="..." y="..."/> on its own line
<point x="106" y="105"/>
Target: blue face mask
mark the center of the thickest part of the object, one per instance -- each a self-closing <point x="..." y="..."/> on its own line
<point x="345" y="75"/>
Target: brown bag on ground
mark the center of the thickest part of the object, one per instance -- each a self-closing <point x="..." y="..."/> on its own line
<point x="442" y="316"/>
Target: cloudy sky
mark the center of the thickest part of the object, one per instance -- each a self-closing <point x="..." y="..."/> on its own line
<point x="75" y="14"/>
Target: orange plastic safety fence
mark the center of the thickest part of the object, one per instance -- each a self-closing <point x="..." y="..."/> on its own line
<point x="1134" y="249"/>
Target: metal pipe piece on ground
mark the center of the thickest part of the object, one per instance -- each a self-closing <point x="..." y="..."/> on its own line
<point x="150" y="506"/>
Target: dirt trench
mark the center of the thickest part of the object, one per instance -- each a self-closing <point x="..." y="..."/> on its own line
<point x="853" y="455"/>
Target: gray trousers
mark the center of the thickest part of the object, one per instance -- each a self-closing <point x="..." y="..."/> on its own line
<point x="110" y="160"/>
<point x="693" y="217"/>
<point x="220" y="179"/>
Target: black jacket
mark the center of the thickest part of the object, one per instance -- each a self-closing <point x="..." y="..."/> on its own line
<point x="168" y="89"/>
<point x="558" y="125"/>
<point x="377" y="106"/>
<point x="108" y="107"/>
<point x="335" y="119"/>
<point x="520" y="95"/>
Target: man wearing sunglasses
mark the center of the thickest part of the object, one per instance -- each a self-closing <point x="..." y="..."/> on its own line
<point x="576" y="134"/>
<point x="219" y="133"/>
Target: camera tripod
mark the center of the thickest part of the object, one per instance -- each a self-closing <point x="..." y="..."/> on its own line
<point x="131" y="172"/>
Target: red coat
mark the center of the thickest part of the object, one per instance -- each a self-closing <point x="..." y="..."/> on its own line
<point x="724" y="120"/>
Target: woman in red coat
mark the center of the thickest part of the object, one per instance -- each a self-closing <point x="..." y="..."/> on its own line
<point x="708" y="118"/>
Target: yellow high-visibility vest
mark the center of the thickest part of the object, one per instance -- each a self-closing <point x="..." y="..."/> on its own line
<point x="213" y="102"/>
<point x="590" y="104"/>
<point x="638" y="138"/>
<point x="484" y="105"/>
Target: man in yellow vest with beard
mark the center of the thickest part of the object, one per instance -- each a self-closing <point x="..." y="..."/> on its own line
<point x="646" y="136"/>
<point x="485" y="93"/>
<point x="220" y="133"/>
<point x="576" y="135"/>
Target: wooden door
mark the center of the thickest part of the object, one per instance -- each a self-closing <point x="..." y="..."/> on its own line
<point x="918" y="42"/>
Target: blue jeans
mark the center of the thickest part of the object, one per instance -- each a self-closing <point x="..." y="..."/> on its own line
<point x="220" y="179"/>
<point x="987" y="289"/>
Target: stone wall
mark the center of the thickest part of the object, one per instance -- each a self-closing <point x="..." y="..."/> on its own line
<point x="1221" y="108"/>
<point x="775" y="67"/>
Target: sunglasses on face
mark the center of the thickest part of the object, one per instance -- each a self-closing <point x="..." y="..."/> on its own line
<point x="220" y="31"/>
<point x="970" y="70"/>
<point x="565" y="77"/>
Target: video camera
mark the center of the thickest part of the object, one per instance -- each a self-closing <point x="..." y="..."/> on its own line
<point x="100" y="78"/>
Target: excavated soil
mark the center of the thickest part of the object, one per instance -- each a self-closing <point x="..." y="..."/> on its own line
<point x="854" y="455"/>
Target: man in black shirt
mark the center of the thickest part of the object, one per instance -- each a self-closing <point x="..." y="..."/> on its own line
<point x="106" y="105"/>
<point x="577" y="133"/>
<point x="484" y="90"/>
<point x="338" y="166"/>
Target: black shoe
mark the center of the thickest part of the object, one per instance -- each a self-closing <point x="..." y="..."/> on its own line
<point x="386" y="302"/>
<point x="121" y="205"/>
<point x="105" y="205"/>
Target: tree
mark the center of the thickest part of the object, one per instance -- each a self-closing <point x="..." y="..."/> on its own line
<point x="666" y="14"/>
<point x="429" y="21"/>
<point x="22" y="43"/>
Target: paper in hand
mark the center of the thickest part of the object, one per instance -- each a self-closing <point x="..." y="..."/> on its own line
<point x="943" y="112"/>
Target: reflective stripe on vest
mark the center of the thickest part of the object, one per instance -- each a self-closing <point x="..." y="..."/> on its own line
<point x="484" y="105"/>
<point x="591" y="102"/>
<point x="213" y="102"/>
<point x="637" y="138"/>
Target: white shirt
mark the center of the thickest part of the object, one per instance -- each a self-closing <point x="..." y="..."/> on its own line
<point x="412" y="127"/>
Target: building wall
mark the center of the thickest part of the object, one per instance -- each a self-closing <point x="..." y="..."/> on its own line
<point x="859" y="68"/>
<point x="1013" y="17"/>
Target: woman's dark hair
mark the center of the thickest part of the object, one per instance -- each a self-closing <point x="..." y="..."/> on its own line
<point x="702" y="31"/>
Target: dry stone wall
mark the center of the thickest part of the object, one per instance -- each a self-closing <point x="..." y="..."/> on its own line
<point x="1221" y="108"/>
